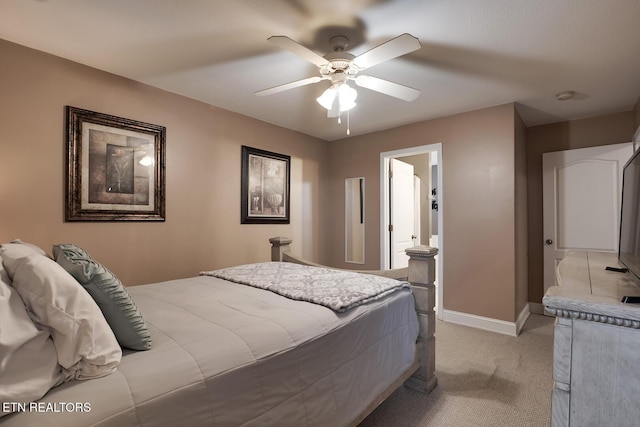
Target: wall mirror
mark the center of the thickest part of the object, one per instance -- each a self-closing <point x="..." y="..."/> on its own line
<point x="354" y="220"/>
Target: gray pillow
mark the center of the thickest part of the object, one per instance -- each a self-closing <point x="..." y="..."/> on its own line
<point x="108" y="292"/>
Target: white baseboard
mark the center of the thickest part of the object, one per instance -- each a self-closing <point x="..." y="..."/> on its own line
<point x="487" y="323"/>
<point x="522" y="318"/>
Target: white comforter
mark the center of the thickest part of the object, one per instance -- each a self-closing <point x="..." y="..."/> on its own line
<point x="226" y="354"/>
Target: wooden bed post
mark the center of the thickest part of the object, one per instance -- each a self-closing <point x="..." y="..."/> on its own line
<point x="279" y="246"/>
<point x="422" y="274"/>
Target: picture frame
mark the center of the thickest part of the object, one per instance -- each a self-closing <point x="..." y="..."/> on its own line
<point x="265" y="185"/>
<point x="115" y="168"/>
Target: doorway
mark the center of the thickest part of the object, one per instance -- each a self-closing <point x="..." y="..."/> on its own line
<point x="427" y="230"/>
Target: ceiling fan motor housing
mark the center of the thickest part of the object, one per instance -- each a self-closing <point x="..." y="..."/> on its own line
<point x="339" y="43"/>
<point x="339" y="61"/>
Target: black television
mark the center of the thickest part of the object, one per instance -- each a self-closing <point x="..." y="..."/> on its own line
<point x="629" y="244"/>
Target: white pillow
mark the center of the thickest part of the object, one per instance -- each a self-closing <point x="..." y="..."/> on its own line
<point x="28" y="360"/>
<point x="18" y="249"/>
<point x="85" y="345"/>
<point x="30" y="246"/>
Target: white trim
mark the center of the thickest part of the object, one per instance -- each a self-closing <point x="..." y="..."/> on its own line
<point x="486" y="323"/>
<point x="384" y="213"/>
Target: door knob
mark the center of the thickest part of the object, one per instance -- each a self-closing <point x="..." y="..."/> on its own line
<point x="548" y="242"/>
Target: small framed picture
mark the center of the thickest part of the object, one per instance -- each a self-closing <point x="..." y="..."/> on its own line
<point x="115" y="168"/>
<point x="264" y="187"/>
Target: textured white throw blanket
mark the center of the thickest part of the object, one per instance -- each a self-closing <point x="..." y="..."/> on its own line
<point x="338" y="290"/>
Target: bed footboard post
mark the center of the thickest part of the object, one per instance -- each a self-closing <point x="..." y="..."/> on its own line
<point x="422" y="277"/>
<point x="279" y="246"/>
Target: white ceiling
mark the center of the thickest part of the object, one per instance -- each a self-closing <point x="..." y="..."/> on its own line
<point x="475" y="53"/>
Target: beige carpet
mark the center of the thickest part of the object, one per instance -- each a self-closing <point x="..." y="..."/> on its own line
<point x="484" y="379"/>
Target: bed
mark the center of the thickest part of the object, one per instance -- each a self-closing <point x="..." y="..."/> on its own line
<point x="223" y="353"/>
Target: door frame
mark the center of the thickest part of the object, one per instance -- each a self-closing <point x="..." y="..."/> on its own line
<point x="384" y="212"/>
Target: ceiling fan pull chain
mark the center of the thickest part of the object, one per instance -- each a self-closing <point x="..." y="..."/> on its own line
<point x="348" y="123"/>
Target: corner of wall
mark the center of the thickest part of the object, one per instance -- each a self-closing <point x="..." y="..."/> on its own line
<point x="636" y="121"/>
<point x="636" y="118"/>
<point x="521" y="215"/>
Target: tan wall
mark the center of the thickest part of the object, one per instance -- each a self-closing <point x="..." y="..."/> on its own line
<point x="202" y="228"/>
<point x="477" y="201"/>
<point x="602" y="130"/>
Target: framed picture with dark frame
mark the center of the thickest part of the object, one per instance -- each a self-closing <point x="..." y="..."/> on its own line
<point x="115" y="168"/>
<point x="265" y="184"/>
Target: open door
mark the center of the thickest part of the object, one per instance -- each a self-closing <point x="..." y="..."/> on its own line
<point x="402" y="211"/>
<point x="424" y="158"/>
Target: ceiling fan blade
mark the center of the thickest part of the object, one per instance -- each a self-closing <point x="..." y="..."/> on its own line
<point x="293" y="46"/>
<point x="393" y="48"/>
<point x="287" y="86"/>
<point x="396" y="90"/>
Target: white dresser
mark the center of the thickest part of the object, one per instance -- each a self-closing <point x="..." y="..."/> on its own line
<point x="596" y="349"/>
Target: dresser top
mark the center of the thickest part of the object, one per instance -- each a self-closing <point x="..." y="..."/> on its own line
<point x="584" y="285"/>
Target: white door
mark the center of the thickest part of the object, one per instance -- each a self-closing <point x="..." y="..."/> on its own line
<point x="581" y="202"/>
<point x="417" y="216"/>
<point x="401" y="211"/>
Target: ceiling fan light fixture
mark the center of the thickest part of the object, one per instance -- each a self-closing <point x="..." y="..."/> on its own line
<point x="327" y="97"/>
<point x="347" y="97"/>
<point x="341" y="93"/>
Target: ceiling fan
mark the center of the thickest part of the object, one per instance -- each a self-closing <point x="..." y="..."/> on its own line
<point x="341" y="67"/>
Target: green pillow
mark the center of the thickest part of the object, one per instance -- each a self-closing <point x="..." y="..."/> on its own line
<point x="112" y="297"/>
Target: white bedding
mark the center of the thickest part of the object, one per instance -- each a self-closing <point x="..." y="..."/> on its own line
<point x="226" y="354"/>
